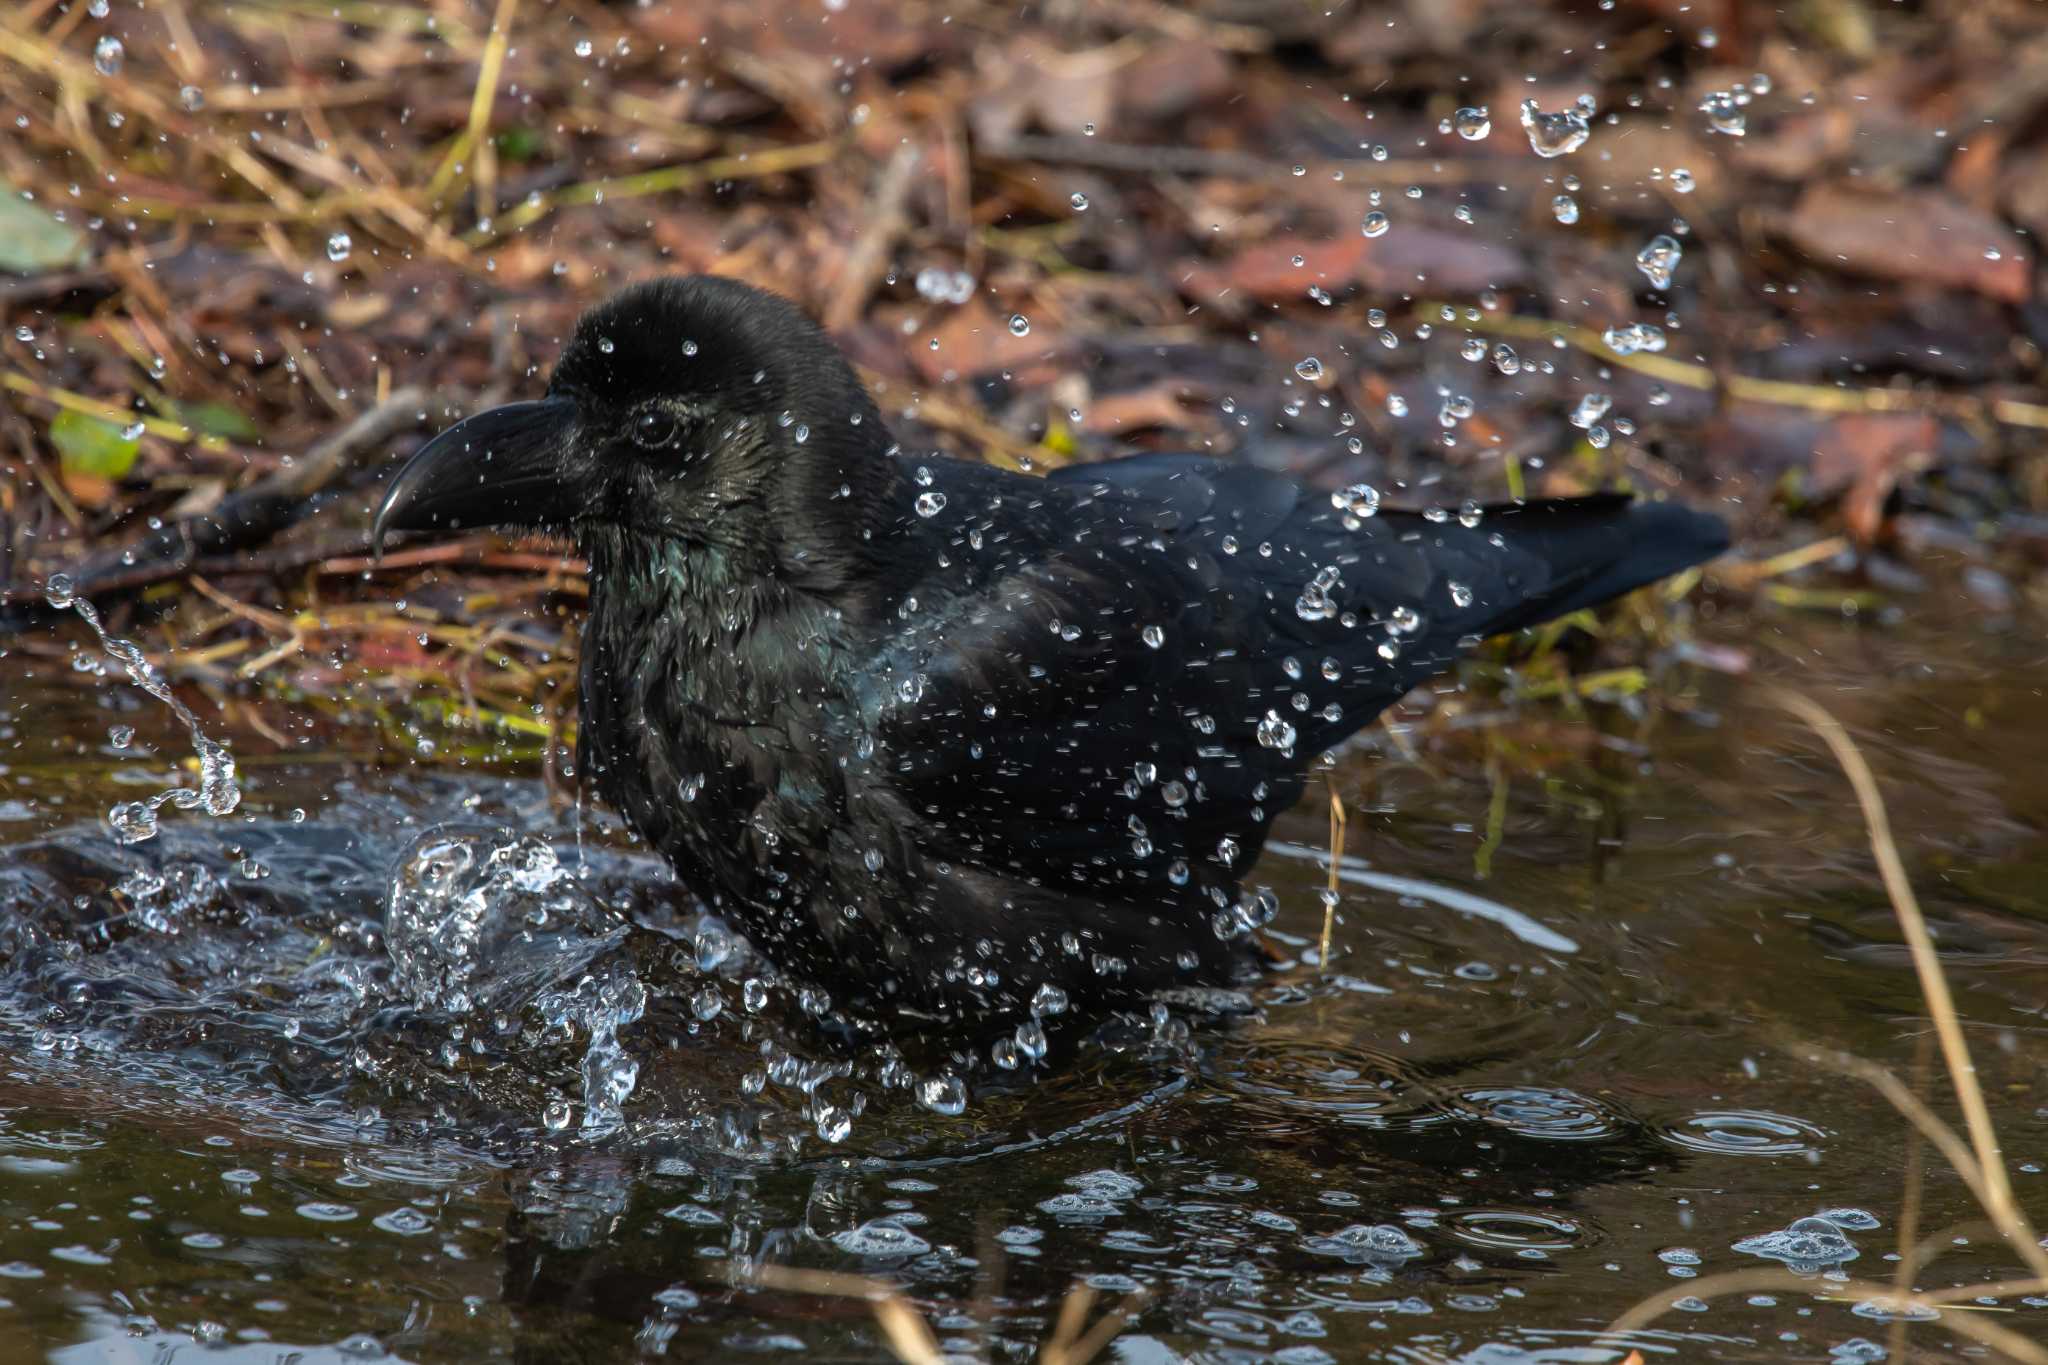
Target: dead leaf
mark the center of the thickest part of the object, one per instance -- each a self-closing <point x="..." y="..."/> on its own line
<point x="1864" y="456"/>
<point x="1155" y="405"/>
<point x="1916" y="235"/>
<point x="1409" y="258"/>
<point x="974" y="340"/>
<point x="1168" y="80"/>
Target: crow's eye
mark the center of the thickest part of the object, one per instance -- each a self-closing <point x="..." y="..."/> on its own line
<point x="654" y="429"/>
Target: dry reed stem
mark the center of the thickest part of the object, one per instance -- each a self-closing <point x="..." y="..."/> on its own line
<point x="1979" y="1162"/>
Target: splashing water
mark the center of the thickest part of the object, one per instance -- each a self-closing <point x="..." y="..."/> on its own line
<point x="217" y="792"/>
<point x="1560" y="133"/>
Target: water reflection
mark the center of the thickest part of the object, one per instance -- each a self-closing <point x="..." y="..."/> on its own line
<point x="244" y="1103"/>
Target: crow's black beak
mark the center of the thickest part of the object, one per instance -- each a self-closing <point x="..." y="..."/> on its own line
<point x="508" y="466"/>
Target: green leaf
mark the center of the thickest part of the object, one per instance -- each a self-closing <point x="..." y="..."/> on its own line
<point x="31" y="241"/>
<point x="92" y="445"/>
<point x="215" y="418"/>
<point x="518" y="144"/>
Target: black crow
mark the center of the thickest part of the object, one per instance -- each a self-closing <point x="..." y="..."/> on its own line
<point x="948" y="741"/>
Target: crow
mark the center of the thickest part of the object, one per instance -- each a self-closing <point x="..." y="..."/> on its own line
<point x="954" y="743"/>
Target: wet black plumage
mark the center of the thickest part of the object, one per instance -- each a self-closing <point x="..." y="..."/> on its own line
<point x="935" y="735"/>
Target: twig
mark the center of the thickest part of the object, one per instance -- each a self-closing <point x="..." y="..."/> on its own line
<point x="1337" y="824"/>
<point x="887" y="217"/>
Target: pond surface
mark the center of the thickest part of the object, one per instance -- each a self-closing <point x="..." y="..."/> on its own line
<point x="548" y="1113"/>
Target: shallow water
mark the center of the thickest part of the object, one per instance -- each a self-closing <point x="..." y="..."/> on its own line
<point x="241" y="1116"/>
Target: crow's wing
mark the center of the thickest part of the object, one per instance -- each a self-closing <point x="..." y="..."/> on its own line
<point x="1119" y="674"/>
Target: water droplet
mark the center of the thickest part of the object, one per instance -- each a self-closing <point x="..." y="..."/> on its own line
<point x="584" y="47"/>
<point x="107" y="54"/>
<point x="930" y="503"/>
<point x="1309" y="368"/>
<point x="99" y="9"/>
<point x="1275" y="732"/>
<point x="1724" y="113"/>
<point x="1079" y="201"/>
<point x="1591" y="408"/>
<point x="1020" y="326"/>
<point x="1565" y="209"/>
<point x="191" y="98"/>
<point x="605" y="345"/>
<point x="944" y="1094"/>
<point x="1559" y="133"/>
<point x="1636" y="336"/>
<point x="1472" y="124"/>
<point x="1374" y="224"/>
<point x="1153" y="636"/>
<point x="133" y="431"/>
<point x="1047" y="1001"/>
<point x="1682" y="181"/>
<point x="1659" y="258"/>
<point x="1461" y="596"/>
<point x="556" y="1115"/>
<point x="339" y="246"/>
<point x="1505" y="360"/>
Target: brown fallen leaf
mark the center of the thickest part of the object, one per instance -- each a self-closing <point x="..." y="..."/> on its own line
<point x="1864" y="456"/>
<point x="1918" y="235"/>
<point x="1409" y="258"/>
<point x="974" y="340"/>
<point x="1155" y="405"/>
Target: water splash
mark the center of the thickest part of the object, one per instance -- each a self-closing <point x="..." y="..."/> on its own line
<point x="217" y="792"/>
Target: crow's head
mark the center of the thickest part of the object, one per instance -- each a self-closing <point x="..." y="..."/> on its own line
<point x="694" y="409"/>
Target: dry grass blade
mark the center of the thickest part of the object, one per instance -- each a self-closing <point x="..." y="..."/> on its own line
<point x="1979" y="1162"/>
<point x="1337" y="822"/>
<point x="1955" y="1049"/>
<point x="910" y="1338"/>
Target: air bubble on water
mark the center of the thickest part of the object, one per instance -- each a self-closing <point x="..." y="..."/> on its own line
<point x="99" y="9"/>
<point x="1560" y="133"/>
<point x="556" y="1116"/>
<point x="930" y="503"/>
<point x="943" y="1094"/>
<point x="1505" y="360"/>
<point x="1590" y="408"/>
<point x="605" y="345"/>
<point x="1565" y="209"/>
<point x="1275" y="732"/>
<point x="1374" y="224"/>
<point x="24" y="333"/>
<point x="1309" y="368"/>
<point x="1461" y="595"/>
<point x="1472" y="124"/>
<point x="1079" y="201"/>
<point x="107" y="55"/>
<point x="584" y="47"/>
<point x="1682" y="181"/>
<point x="1405" y="620"/>
<point x="191" y="98"/>
<point x="1397" y="406"/>
<point x="1723" y="109"/>
<point x="881" y="1239"/>
<point x="1020" y="326"/>
<point x="121" y="736"/>
<point x="1659" y="258"/>
<point x="339" y="246"/>
<point x="1153" y="636"/>
<point x="1659" y="396"/>
<point x="1473" y="349"/>
<point x="1048" y="1000"/>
